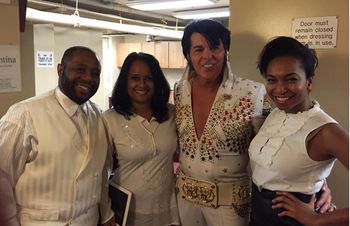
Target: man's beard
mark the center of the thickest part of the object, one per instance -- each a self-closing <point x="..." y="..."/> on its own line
<point x="67" y="87"/>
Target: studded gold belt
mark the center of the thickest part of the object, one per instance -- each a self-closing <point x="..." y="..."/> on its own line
<point x="207" y="193"/>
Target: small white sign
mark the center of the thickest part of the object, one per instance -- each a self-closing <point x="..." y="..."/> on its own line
<point x="316" y="32"/>
<point x="44" y="59"/>
<point x="10" y="73"/>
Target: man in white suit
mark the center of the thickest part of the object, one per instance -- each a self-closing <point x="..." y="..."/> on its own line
<point x="53" y="149"/>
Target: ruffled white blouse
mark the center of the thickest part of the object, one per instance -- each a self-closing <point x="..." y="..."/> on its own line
<point x="278" y="154"/>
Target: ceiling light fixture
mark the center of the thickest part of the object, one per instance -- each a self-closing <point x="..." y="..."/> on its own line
<point x="203" y="13"/>
<point x="167" y="4"/>
<point x="37" y="15"/>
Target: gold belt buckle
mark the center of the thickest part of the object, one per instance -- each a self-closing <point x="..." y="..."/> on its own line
<point x="241" y="192"/>
<point x="198" y="191"/>
<point x="241" y="197"/>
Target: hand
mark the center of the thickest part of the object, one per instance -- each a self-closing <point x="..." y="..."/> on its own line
<point x="300" y="211"/>
<point x="110" y="222"/>
<point x="324" y="204"/>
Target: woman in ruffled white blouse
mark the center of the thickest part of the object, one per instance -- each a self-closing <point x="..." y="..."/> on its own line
<point x="142" y="131"/>
<point x="297" y="145"/>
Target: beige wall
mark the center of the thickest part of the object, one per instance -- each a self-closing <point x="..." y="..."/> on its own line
<point x="10" y="35"/>
<point x="254" y="22"/>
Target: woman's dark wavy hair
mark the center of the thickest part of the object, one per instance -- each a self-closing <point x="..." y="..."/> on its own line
<point x="213" y="31"/>
<point x="120" y="99"/>
<point x="287" y="46"/>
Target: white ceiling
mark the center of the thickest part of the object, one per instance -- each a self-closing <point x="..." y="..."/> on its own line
<point x="118" y="9"/>
<point x="218" y="3"/>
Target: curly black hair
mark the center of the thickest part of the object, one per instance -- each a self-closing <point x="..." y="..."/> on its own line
<point x="287" y="46"/>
